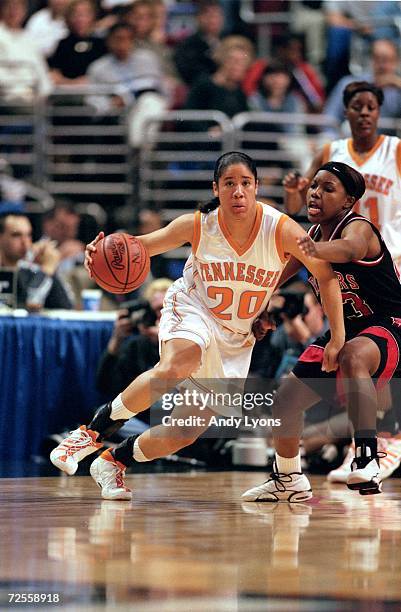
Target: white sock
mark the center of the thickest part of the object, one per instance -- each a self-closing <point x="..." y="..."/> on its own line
<point x="138" y="454"/>
<point x="287" y="465"/>
<point x="119" y="411"/>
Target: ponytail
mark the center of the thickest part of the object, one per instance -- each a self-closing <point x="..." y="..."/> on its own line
<point x="207" y="207"/>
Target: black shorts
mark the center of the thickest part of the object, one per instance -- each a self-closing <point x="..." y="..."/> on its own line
<point x="385" y="332"/>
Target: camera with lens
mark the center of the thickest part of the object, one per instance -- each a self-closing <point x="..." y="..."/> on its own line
<point x="140" y="312"/>
<point x="292" y="307"/>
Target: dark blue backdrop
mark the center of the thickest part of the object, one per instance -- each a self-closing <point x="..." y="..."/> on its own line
<point x="47" y="377"/>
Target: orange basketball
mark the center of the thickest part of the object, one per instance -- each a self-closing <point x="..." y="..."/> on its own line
<point x="120" y="264"/>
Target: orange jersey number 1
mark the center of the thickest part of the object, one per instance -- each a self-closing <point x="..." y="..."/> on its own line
<point x="370" y="208"/>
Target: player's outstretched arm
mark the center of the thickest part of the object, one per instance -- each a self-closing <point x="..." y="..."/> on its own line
<point x="353" y="244"/>
<point x="329" y="290"/>
<point x="296" y="186"/>
<point x="175" y="234"/>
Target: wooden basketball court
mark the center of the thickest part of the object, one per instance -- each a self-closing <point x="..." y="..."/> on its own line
<point x="187" y="543"/>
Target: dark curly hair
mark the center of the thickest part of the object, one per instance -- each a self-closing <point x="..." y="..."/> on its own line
<point x="356" y="87"/>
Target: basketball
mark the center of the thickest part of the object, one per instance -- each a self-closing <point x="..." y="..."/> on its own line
<point x="120" y="264"/>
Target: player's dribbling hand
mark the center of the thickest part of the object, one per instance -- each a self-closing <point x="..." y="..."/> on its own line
<point x="294" y="182"/>
<point x="89" y="250"/>
<point x="307" y="246"/>
<point x="262" y="325"/>
<point x="330" y="356"/>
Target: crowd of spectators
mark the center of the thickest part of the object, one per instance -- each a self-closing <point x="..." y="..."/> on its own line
<point x="133" y="47"/>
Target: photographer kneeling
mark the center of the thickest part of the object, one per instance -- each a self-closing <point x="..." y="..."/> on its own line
<point x="299" y="320"/>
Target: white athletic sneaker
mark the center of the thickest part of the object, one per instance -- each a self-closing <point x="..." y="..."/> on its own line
<point x="341" y="473"/>
<point x="365" y="473"/>
<point x="389" y="460"/>
<point x="109" y="475"/>
<point x="294" y="487"/>
<point x="78" y="445"/>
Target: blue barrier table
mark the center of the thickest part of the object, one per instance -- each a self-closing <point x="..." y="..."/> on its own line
<point x="47" y="377"/>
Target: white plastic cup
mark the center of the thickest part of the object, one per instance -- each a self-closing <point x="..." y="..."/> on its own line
<point x="91" y="299"/>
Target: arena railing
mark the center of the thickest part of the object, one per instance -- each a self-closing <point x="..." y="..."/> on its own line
<point x="20" y="119"/>
<point x="86" y="156"/>
<point x="279" y="142"/>
<point x="177" y="158"/>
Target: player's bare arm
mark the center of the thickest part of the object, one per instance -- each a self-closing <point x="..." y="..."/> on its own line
<point x="329" y="290"/>
<point x="174" y="235"/>
<point x="296" y="186"/>
<point x="357" y="241"/>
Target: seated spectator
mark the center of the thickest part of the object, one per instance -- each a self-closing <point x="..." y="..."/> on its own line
<point x="137" y="79"/>
<point x="306" y="82"/>
<point x="79" y="49"/>
<point x="48" y="26"/>
<point x="23" y="71"/>
<point x="159" y="32"/>
<point x="243" y="43"/>
<point x="127" y="354"/>
<point x="37" y="283"/>
<point x="194" y="56"/>
<point x="61" y="225"/>
<point x="383" y="73"/>
<point x="274" y="95"/>
<point x="222" y="91"/>
<point x="142" y="17"/>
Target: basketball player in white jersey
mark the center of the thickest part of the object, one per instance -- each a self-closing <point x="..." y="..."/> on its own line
<point x="239" y="250"/>
<point x="376" y="156"/>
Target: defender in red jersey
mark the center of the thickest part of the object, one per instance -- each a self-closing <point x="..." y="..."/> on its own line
<point x="371" y="293"/>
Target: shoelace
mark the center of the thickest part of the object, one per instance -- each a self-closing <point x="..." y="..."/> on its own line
<point x="80" y="440"/>
<point x="115" y="477"/>
<point x="120" y="479"/>
<point x="280" y="479"/>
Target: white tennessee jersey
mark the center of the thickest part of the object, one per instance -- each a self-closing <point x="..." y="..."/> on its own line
<point x="235" y="282"/>
<point x="381" y="168"/>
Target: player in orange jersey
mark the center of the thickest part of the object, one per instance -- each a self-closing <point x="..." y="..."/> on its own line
<point x="376" y="156"/>
<point x="239" y="250"/>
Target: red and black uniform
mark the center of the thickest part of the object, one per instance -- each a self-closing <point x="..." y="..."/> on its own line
<point x="371" y="293"/>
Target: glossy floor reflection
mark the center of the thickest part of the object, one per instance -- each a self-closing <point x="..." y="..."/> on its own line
<point x="186" y="542"/>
